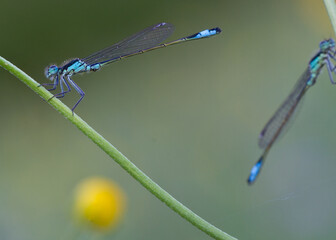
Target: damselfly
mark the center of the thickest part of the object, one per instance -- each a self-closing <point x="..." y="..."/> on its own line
<point x="280" y="119"/>
<point x="141" y="42"/>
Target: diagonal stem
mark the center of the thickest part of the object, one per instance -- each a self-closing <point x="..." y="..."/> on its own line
<point x="331" y="9"/>
<point x="117" y="156"/>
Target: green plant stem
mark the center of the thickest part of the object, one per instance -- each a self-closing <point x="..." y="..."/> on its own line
<point x="331" y="9"/>
<point x="126" y="164"/>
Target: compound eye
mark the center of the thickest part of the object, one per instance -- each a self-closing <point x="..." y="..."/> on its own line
<point x="51" y="71"/>
<point x="323" y="44"/>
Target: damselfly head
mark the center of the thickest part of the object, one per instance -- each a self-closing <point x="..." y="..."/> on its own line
<point x="51" y="72"/>
<point x="327" y="45"/>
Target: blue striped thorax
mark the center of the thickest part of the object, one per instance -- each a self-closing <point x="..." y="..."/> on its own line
<point x="73" y="67"/>
<point x="70" y="68"/>
<point x="327" y="49"/>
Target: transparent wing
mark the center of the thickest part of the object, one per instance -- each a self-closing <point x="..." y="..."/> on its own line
<point x="142" y="40"/>
<point x="281" y="117"/>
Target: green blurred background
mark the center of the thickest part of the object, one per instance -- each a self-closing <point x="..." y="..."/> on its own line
<point x="188" y="116"/>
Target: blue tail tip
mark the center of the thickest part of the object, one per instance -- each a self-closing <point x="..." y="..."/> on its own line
<point x="217" y="29"/>
<point x="255" y="171"/>
<point x="205" y="33"/>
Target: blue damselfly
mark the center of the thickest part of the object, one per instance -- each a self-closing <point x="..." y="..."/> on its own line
<point x="146" y="40"/>
<point x="281" y="117"/>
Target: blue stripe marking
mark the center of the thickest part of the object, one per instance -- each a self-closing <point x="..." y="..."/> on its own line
<point x="205" y="33"/>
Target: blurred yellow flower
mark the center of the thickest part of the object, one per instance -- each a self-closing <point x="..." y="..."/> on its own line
<point x="99" y="203"/>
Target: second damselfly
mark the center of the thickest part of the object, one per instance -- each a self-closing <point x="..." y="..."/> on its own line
<point x="281" y="117"/>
